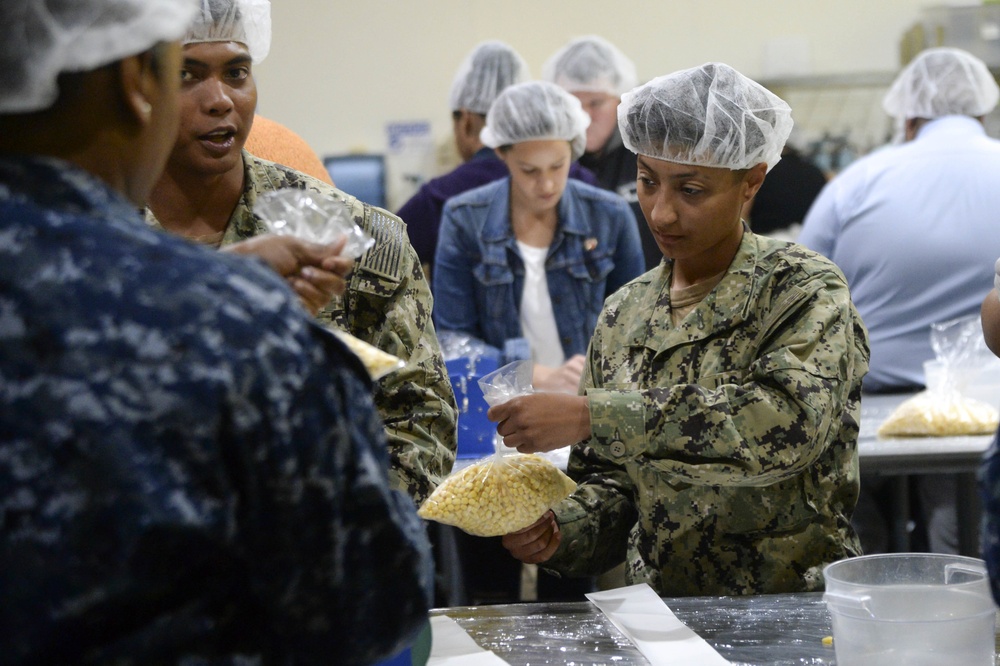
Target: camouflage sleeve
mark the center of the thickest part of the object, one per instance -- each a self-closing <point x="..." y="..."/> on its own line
<point x="596" y="519"/>
<point x="763" y="419"/>
<point x="388" y="304"/>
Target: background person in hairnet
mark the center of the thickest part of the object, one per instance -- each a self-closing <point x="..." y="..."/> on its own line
<point x="207" y="194"/>
<point x="535" y="254"/>
<point x="914" y="228"/>
<point x="485" y="72"/>
<point x="597" y="73"/>
<point x="191" y="469"/>
<point x="715" y="443"/>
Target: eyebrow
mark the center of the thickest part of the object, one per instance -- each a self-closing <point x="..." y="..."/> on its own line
<point x="235" y="60"/>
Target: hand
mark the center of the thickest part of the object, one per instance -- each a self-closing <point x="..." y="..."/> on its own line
<point x="316" y="272"/>
<point x="537" y="542"/>
<point x="565" y="378"/>
<point x="542" y="421"/>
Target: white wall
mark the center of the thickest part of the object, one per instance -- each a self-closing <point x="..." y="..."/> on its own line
<point x="339" y="70"/>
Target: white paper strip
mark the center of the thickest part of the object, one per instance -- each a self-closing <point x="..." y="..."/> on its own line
<point x="452" y="646"/>
<point x="649" y="623"/>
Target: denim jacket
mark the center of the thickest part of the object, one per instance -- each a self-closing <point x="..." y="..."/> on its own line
<point x="479" y="274"/>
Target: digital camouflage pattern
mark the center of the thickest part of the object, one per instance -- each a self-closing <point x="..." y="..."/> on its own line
<point x="192" y="471"/>
<point x="723" y="457"/>
<point x="387" y="304"/>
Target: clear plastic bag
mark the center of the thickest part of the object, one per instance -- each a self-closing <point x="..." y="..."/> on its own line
<point x="944" y="408"/>
<point x="313" y="217"/>
<point x="506" y="491"/>
<point x="319" y="218"/>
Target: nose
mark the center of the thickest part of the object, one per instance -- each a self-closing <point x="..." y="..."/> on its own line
<point x="215" y="99"/>
<point x="548" y="185"/>
<point x="663" y="212"/>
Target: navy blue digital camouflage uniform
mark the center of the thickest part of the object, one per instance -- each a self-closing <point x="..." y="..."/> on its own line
<point x="191" y="469"/>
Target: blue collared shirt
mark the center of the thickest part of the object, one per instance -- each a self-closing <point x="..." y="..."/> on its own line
<point x="916" y="230"/>
<point x="479" y="275"/>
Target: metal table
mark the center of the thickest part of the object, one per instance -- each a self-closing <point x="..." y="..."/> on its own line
<point x="763" y="630"/>
<point x="778" y="629"/>
<point x="901" y="457"/>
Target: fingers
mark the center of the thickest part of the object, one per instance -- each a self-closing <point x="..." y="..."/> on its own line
<point x="537" y="542"/>
<point x="331" y="284"/>
<point x="312" y="298"/>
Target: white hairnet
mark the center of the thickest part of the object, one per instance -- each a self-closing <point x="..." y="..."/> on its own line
<point x="245" y="21"/>
<point x="591" y="64"/>
<point x="491" y="67"/>
<point x="40" y="40"/>
<point x="533" y="111"/>
<point x="709" y="116"/>
<point x="942" y="82"/>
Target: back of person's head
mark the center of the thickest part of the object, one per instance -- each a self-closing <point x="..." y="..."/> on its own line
<point x="942" y="82"/>
<point x="536" y="111"/>
<point x="591" y="64"/>
<point x="41" y="40"/>
<point x="247" y="22"/>
<point x="485" y="72"/>
<point x="707" y="116"/>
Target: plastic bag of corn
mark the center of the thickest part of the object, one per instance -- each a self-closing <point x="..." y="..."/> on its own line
<point x="498" y="495"/>
<point x="507" y="491"/>
<point x="936" y="413"/>
<point x="944" y="409"/>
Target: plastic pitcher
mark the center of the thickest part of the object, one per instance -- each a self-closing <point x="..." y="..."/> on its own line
<point x="911" y="609"/>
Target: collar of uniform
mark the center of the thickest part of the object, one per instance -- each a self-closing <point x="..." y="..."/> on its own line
<point x="725" y="307"/>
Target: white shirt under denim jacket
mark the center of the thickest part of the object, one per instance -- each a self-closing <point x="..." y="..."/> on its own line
<point x="479" y="273"/>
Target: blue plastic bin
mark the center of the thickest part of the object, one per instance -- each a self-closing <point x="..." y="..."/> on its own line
<point x="475" y="431"/>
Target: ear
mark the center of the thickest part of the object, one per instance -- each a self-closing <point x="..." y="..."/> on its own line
<point x="753" y="179"/>
<point x="138" y="86"/>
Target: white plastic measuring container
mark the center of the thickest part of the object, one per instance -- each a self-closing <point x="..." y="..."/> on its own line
<point x="911" y="609"/>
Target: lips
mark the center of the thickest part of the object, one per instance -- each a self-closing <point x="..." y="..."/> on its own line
<point x="218" y="141"/>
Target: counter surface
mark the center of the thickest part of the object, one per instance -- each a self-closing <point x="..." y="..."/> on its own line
<point x="773" y="629"/>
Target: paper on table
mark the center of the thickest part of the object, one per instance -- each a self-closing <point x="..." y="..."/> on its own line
<point x="649" y="623"/>
<point x="451" y="646"/>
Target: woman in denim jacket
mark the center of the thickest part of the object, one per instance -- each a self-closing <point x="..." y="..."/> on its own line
<point x="531" y="258"/>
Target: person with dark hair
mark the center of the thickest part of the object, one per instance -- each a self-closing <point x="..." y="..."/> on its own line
<point x="207" y="194"/>
<point x="191" y="468"/>
<point x="714" y="442"/>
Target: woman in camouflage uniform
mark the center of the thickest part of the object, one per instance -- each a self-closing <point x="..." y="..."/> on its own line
<point x="716" y="443"/>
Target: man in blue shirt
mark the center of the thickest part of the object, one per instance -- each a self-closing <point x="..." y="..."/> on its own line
<point x="191" y="469"/>
<point x="914" y="229"/>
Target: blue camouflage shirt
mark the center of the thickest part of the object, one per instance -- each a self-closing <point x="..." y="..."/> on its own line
<point x="191" y="470"/>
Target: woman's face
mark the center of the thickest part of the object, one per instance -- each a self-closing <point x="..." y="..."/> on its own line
<point x="538" y="173"/>
<point x="694" y="211"/>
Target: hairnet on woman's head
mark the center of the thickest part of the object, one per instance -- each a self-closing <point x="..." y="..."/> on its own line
<point x="591" y="64"/>
<point x="942" y="82"/>
<point x="709" y="116"/>
<point x="535" y="111"/>
<point x="40" y="40"/>
<point x="245" y="21"/>
<point x="491" y="67"/>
